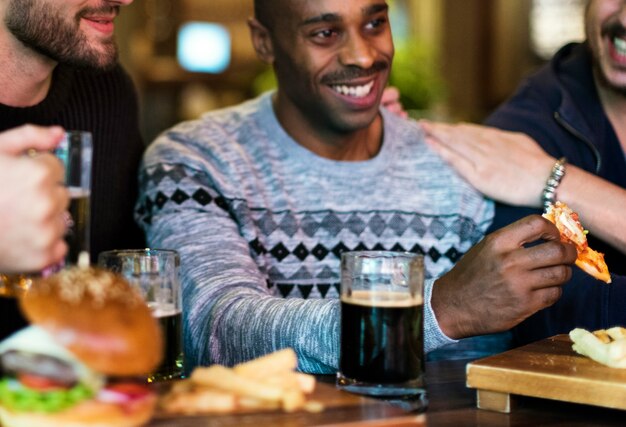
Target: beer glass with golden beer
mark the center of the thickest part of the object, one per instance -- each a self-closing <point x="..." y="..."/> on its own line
<point x="75" y="152"/>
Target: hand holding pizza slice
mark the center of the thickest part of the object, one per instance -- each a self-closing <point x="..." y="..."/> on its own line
<point x="572" y="231"/>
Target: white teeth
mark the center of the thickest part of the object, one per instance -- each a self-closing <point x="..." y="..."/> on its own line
<point x="620" y="46"/>
<point x="355" y="91"/>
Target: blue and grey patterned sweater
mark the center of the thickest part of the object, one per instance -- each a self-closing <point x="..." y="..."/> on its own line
<point x="260" y="223"/>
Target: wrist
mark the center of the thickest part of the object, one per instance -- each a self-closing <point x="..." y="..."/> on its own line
<point x="548" y="195"/>
<point x="446" y="311"/>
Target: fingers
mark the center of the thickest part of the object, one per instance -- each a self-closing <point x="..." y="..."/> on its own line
<point x="462" y="164"/>
<point x="548" y="276"/>
<point x="18" y="140"/>
<point x="464" y="151"/>
<point x="543" y="298"/>
<point x="391" y="101"/>
<point x="547" y="263"/>
<point x="524" y="231"/>
<point x="32" y="200"/>
<point x="49" y="168"/>
<point x="391" y="94"/>
<point x="33" y="247"/>
<point x="464" y="139"/>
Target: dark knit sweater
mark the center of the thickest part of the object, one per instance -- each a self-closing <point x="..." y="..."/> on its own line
<point x="106" y="105"/>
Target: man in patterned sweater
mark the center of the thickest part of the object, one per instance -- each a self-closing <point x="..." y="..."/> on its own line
<point x="262" y="198"/>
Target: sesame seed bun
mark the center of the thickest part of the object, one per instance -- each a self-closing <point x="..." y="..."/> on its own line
<point x="97" y="316"/>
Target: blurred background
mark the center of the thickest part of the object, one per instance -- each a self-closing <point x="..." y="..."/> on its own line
<point x="455" y="59"/>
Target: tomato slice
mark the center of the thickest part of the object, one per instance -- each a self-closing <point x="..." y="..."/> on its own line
<point x="130" y="389"/>
<point x="37" y="382"/>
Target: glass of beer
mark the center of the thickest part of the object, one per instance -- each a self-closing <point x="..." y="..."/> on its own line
<point x="382" y="341"/>
<point x="154" y="273"/>
<point x="75" y="151"/>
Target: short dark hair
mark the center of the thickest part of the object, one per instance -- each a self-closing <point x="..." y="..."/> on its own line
<point x="262" y="12"/>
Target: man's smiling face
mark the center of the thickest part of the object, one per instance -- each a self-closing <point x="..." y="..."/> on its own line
<point x="605" y="24"/>
<point x="332" y="59"/>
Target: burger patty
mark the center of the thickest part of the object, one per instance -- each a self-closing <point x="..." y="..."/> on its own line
<point x="15" y="362"/>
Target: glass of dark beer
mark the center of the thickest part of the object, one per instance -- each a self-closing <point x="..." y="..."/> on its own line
<point x="382" y="342"/>
<point x="154" y="273"/>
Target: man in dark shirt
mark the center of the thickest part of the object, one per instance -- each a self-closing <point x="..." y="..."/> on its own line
<point x="58" y="66"/>
<point x="573" y="107"/>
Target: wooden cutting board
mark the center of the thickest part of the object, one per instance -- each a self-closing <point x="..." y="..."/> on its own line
<point x="547" y="369"/>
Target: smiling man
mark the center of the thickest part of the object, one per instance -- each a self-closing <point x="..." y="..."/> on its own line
<point x="58" y="66"/>
<point x="573" y="107"/>
<point x="262" y="198"/>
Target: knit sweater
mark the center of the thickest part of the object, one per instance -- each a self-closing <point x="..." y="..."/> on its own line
<point x="106" y="105"/>
<point x="260" y="223"/>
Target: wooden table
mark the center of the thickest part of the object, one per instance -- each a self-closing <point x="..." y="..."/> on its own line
<point x="451" y="403"/>
<point x="341" y="409"/>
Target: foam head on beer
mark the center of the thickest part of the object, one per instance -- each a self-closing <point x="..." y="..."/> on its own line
<point x="77" y="364"/>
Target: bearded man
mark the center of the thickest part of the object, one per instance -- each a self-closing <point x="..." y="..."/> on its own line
<point x="58" y="66"/>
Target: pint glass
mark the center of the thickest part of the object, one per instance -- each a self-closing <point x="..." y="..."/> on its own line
<point x="154" y="273"/>
<point x="75" y="151"/>
<point x="382" y="342"/>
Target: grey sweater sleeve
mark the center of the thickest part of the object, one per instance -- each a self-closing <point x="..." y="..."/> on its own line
<point x="229" y="314"/>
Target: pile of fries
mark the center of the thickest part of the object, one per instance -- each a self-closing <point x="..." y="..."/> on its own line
<point x="267" y="383"/>
<point x="605" y="346"/>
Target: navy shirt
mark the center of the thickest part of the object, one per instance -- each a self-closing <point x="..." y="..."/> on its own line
<point x="560" y="108"/>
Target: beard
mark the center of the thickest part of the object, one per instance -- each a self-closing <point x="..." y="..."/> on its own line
<point x="41" y="27"/>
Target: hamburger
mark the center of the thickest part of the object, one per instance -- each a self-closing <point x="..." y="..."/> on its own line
<point x="84" y="357"/>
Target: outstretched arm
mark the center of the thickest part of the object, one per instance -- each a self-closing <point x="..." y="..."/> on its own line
<point x="230" y="314"/>
<point x="512" y="168"/>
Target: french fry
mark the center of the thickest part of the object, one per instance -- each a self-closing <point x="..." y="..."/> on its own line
<point x="293" y="400"/>
<point x="200" y="402"/>
<point x="250" y="403"/>
<point x="307" y="382"/>
<point x="220" y="377"/>
<point x="291" y="380"/>
<point x="267" y="383"/>
<point x="313" y="406"/>
<point x="270" y="364"/>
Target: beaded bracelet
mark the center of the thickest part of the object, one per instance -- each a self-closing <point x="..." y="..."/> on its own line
<point x="548" y="196"/>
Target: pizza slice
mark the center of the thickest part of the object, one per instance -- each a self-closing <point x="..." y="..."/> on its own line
<point x="572" y="231"/>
